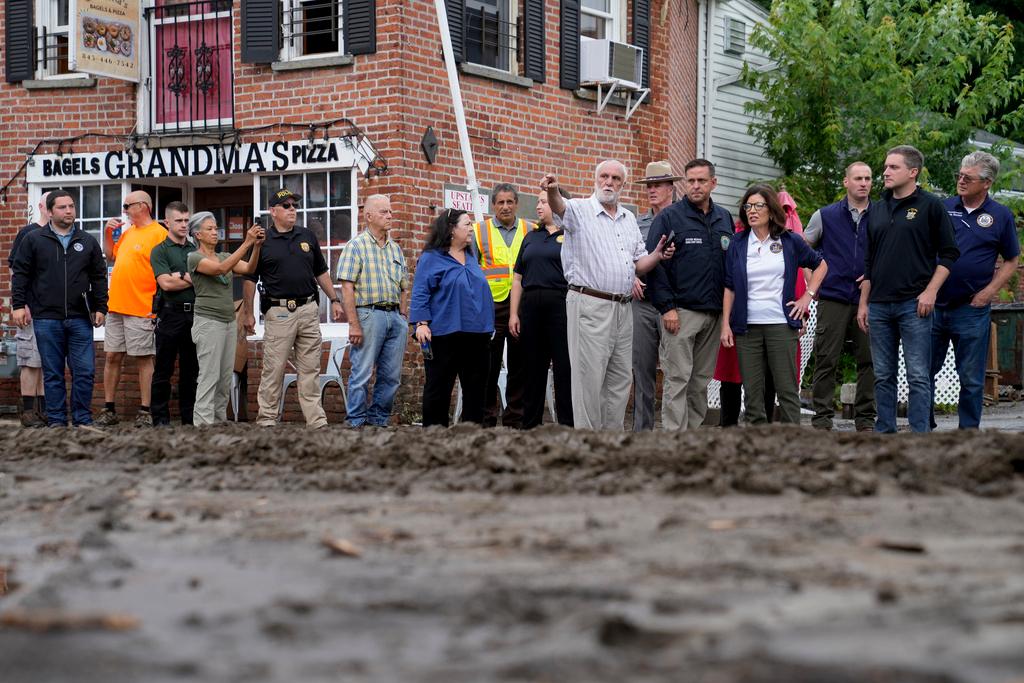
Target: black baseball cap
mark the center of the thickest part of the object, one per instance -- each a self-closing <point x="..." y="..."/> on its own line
<point x="282" y="195"/>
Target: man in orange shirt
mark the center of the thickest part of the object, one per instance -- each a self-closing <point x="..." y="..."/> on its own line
<point x="131" y="322"/>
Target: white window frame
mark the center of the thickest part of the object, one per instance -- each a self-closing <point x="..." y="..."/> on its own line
<point x="513" y="48"/>
<point x="290" y="50"/>
<point x="46" y="17"/>
<point x="36" y="192"/>
<point x="616" y="23"/>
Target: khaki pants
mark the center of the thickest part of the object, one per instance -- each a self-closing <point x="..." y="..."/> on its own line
<point x="772" y="347"/>
<point x="688" y="362"/>
<point x="215" y="351"/>
<point x="600" y="337"/>
<point x="283" y="331"/>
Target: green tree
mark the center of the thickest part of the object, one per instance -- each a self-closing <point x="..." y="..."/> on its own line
<point x="856" y="77"/>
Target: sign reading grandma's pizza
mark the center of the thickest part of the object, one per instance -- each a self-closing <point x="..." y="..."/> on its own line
<point x="249" y="158"/>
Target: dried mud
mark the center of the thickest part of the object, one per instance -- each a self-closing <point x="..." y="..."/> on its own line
<point x="747" y="555"/>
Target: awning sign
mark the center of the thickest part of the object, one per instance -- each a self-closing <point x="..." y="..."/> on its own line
<point x="104" y="38"/>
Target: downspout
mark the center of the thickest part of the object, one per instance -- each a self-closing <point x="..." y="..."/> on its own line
<point x="460" y="113"/>
<point x="706" y="77"/>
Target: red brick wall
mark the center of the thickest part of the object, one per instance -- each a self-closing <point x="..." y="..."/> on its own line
<point x="517" y="134"/>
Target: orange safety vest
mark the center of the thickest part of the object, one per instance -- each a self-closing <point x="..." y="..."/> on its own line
<point x="496" y="258"/>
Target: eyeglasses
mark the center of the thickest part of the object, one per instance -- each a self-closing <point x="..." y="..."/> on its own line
<point x="966" y="178"/>
<point x="289" y="206"/>
<point x="130" y="204"/>
<point x="756" y="206"/>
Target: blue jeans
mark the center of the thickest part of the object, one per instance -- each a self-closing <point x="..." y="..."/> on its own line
<point x="66" y="342"/>
<point x="890" y="323"/>
<point x="969" y="330"/>
<point x="384" y="339"/>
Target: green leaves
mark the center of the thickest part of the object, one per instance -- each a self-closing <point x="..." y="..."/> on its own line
<point x="856" y="77"/>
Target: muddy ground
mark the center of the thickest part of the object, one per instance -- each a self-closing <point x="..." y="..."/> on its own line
<point x="740" y="556"/>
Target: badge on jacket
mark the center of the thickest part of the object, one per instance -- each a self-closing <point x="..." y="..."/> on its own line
<point x="775" y="247"/>
<point x="985" y="220"/>
<point x="911" y="214"/>
<point x="725" y="242"/>
<point x="78" y="247"/>
<point x="304" y="245"/>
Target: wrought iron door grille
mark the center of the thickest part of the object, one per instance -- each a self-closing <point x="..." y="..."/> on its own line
<point x="192" y="87"/>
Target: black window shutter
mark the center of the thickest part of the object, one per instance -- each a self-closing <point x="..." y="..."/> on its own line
<point x="19" y="40"/>
<point x="642" y="35"/>
<point x="457" y="27"/>
<point x="569" y="39"/>
<point x="261" y="31"/>
<point x="534" y="49"/>
<point x="359" y="22"/>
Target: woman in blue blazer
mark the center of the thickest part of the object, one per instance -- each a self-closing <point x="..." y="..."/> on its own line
<point x="761" y="314"/>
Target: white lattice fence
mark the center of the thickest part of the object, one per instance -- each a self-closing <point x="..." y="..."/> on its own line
<point x="947" y="384"/>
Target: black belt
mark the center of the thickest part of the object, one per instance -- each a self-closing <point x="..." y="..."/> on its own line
<point x="607" y="296"/>
<point x="291" y="303"/>
<point x="186" y="307"/>
<point x="380" y="307"/>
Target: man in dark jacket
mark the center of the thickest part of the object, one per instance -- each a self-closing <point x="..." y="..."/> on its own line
<point x="839" y="233"/>
<point x="60" y="268"/>
<point x="687" y="291"/>
<point x="911" y="247"/>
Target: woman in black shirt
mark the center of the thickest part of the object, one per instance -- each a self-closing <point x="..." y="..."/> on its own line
<point x="538" y="319"/>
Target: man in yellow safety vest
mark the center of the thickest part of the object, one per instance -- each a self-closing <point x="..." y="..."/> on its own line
<point x="497" y="242"/>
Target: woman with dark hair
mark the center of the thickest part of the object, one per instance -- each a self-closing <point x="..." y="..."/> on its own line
<point x="761" y="314"/>
<point x="454" y="319"/>
<point x="537" y="317"/>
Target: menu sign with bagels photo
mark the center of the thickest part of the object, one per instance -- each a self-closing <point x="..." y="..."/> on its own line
<point x="105" y="38"/>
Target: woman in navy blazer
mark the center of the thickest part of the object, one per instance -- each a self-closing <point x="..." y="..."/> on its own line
<point x="761" y="314"/>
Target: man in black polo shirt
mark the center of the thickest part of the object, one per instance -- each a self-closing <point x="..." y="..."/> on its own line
<point x="290" y="268"/>
<point x="173" y="308"/>
<point x="910" y="249"/>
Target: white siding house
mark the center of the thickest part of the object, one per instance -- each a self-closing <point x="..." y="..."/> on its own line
<point x="722" y="137"/>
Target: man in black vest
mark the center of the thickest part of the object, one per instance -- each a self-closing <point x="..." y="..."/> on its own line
<point x="839" y="233"/>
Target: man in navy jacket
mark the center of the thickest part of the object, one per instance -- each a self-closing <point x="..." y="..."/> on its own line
<point x="839" y="233"/>
<point x="60" y="268"/>
<point x="687" y="291"/>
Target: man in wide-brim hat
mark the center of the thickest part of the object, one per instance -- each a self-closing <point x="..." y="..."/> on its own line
<point x="661" y="191"/>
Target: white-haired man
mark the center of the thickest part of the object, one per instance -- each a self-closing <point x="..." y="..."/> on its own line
<point x="984" y="230"/>
<point x="374" y="293"/>
<point x="602" y="254"/>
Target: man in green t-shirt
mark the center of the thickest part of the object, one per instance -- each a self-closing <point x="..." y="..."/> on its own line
<point x="173" y="307"/>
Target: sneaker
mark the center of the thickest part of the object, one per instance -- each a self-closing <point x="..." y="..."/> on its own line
<point x="107" y="418"/>
<point x="31" y="419"/>
<point x="143" y="419"/>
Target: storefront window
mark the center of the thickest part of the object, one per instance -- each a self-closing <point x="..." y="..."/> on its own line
<point x="94" y="206"/>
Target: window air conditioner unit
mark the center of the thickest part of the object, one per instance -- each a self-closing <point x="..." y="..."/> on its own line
<point x="606" y="60"/>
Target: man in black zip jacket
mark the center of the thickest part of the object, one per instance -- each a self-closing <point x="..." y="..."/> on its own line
<point x="687" y="290"/>
<point x="911" y="247"/>
<point x="61" y="269"/>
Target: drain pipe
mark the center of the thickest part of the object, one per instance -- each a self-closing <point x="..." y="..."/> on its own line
<point x="460" y="113"/>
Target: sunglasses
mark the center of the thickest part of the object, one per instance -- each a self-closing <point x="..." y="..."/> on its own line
<point x="289" y="206"/>
<point x="130" y="204"/>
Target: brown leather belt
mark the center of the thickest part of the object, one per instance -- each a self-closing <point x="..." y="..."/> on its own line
<point x="607" y="296"/>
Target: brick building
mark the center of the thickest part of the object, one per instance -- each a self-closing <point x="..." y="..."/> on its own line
<point x="331" y="98"/>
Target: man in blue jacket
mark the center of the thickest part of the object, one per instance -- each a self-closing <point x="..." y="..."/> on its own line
<point x="911" y="248"/>
<point x="687" y="291"/>
<point x="984" y="231"/>
<point x="839" y="233"/>
<point x="61" y="269"/>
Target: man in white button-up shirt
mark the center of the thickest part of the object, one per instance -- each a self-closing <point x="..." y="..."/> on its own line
<point x="602" y="253"/>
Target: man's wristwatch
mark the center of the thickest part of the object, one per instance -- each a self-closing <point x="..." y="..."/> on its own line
<point x="335" y="301"/>
<point x="181" y="274"/>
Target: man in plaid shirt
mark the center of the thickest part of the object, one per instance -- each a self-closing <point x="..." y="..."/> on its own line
<point x="374" y="293"/>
